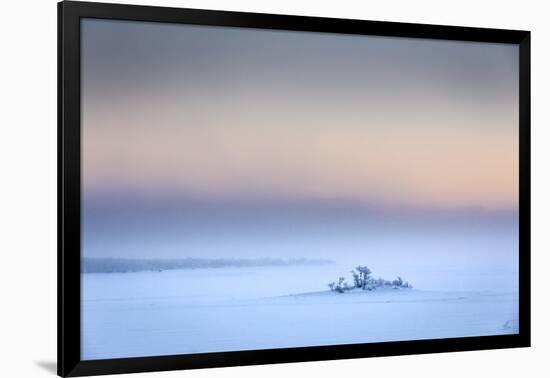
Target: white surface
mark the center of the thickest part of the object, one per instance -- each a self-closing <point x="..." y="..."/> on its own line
<point x="28" y="166"/>
<point x="226" y="309"/>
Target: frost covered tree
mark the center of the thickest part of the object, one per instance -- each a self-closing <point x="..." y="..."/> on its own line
<point x="364" y="273"/>
<point x="398" y="282"/>
<point x="331" y="286"/>
<point x="340" y="285"/>
<point x="356" y="279"/>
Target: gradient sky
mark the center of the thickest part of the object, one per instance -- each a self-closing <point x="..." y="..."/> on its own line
<point x="212" y="141"/>
<point x="239" y="113"/>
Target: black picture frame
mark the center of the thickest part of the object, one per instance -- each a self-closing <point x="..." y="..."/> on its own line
<point x="69" y="15"/>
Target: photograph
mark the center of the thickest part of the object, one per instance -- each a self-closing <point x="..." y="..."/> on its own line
<point x="249" y="189"/>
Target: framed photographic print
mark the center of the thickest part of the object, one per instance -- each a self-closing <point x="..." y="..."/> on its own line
<point x="239" y="188"/>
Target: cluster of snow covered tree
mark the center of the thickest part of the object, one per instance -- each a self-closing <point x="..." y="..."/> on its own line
<point x="362" y="279"/>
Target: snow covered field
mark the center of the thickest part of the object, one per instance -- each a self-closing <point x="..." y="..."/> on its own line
<point x="227" y="309"/>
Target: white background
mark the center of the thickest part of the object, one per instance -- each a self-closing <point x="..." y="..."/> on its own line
<point x="28" y="187"/>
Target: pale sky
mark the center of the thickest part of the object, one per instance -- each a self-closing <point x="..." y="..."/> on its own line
<point x="213" y="113"/>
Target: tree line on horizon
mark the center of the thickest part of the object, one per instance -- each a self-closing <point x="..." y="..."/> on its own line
<point x="127" y="265"/>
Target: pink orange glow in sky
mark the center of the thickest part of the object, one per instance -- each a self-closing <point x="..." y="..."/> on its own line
<point x="236" y="113"/>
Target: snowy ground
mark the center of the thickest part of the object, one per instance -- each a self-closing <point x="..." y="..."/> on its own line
<point x="213" y="310"/>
